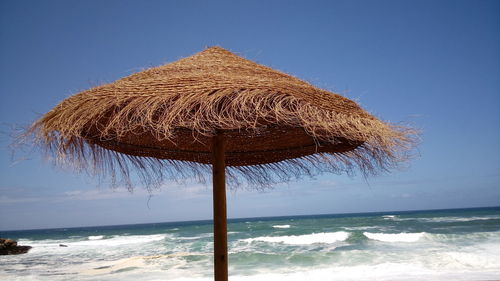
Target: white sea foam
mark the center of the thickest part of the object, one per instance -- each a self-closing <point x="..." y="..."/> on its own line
<point x="458" y="219"/>
<point x="388" y="216"/>
<point x="444" y="219"/>
<point x="394" y="237"/>
<point x="306" y="239"/>
<point x="380" y="272"/>
<point x="477" y="259"/>
<point x="470" y="259"/>
<point x="99" y="241"/>
<point x="121" y="240"/>
<point x="281" y="226"/>
<point x="383" y="272"/>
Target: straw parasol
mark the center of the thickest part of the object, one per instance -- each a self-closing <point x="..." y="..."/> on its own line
<point x="217" y="110"/>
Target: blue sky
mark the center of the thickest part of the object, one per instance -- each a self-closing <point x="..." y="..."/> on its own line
<point x="433" y="63"/>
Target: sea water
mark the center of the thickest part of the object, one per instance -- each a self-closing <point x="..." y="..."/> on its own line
<point x="459" y="244"/>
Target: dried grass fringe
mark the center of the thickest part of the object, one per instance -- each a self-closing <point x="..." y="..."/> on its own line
<point x="59" y="133"/>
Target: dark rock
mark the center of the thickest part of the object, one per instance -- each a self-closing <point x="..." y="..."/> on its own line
<point x="10" y="243"/>
<point x="9" y="247"/>
<point x="62" y="245"/>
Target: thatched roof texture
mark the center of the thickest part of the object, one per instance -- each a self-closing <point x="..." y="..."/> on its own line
<point x="159" y="123"/>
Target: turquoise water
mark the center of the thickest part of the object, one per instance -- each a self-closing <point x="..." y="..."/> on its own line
<point x="460" y="244"/>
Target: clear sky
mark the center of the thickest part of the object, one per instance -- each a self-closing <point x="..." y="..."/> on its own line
<point x="433" y="63"/>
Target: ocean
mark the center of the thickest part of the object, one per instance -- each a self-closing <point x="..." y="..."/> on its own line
<point x="458" y="244"/>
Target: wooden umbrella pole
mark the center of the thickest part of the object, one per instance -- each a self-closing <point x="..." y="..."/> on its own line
<point x="219" y="205"/>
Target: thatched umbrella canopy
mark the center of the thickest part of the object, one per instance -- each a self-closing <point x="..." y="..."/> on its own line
<point x="217" y="109"/>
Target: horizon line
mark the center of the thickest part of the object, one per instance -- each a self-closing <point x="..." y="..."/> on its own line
<point x="230" y="220"/>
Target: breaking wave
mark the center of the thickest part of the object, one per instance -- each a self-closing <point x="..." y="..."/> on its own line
<point x="281" y="226"/>
<point x="306" y="239"/>
<point x="394" y="237"/>
<point x="96" y="237"/>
